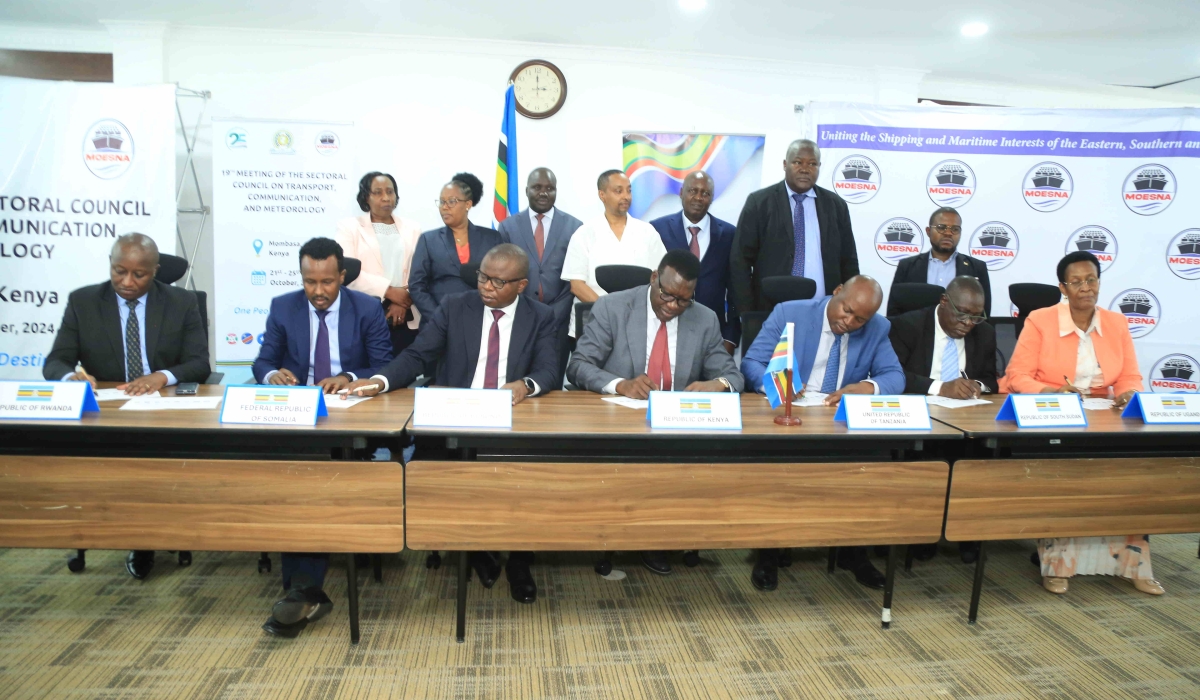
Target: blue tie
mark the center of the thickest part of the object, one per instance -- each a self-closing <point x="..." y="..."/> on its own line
<point x="829" y="384"/>
<point x="322" y="365"/>
<point x="798" y="230"/>
<point x="950" y="361"/>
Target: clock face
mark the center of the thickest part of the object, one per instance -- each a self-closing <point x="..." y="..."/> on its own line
<point x="540" y="89"/>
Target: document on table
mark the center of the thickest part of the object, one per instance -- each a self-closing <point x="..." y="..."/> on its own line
<point x="344" y="401"/>
<point x="810" y="398"/>
<point x="627" y="402"/>
<point x="171" y="403"/>
<point x="112" y="395"/>
<point x="1097" y="404"/>
<point x="947" y="402"/>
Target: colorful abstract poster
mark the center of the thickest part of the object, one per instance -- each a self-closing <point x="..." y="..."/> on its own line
<point x="656" y="165"/>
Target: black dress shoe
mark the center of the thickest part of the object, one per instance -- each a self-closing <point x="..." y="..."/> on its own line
<point x="784" y="558"/>
<point x="139" y="564"/>
<point x="765" y="576"/>
<point x="923" y="552"/>
<point x="278" y="629"/>
<point x="656" y="562"/>
<point x="308" y="605"/>
<point x="968" y="552"/>
<point x="520" y="582"/>
<point x="486" y="566"/>
<point x="866" y="574"/>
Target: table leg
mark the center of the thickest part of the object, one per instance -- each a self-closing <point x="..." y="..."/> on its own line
<point x="377" y="565"/>
<point x="977" y="588"/>
<point x="908" y="558"/>
<point x="832" y="559"/>
<point x="460" y="632"/>
<point x="352" y="594"/>
<point x="888" y="585"/>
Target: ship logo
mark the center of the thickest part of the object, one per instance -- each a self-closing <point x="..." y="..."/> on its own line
<point x="108" y="149"/>
<point x="1183" y="254"/>
<point x="1174" y="374"/>
<point x="857" y="179"/>
<point x="995" y="243"/>
<point x="1141" y="309"/>
<point x="1096" y="240"/>
<point x="36" y="393"/>
<point x="1047" y="187"/>
<point x="950" y="183"/>
<point x="1149" y="189"/>
<point x="236" y="138"/>
<point x="282" y="143"/>
<point x="695" y="406"/>
<point x="899" y="238"/>
<point x="1047" y="405"/>
<point x="327" y="143"/>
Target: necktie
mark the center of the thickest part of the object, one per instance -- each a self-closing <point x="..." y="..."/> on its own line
<point x="829" y="383"/>
<point x="798" y="231"/>
<point x="322" y="366"/>
<point x="133" y="344"/>
<point x="950" y="361"/>
<point x="695" y="244"/>
<point x="659" y="367"/>
<point x="539" y="239"/>
<point x="491" y="371"/>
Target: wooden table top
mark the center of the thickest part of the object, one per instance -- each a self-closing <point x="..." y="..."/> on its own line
<point x="382" y="416"/>
<point x="583" y="413"/>
<point x="980" y="421"/>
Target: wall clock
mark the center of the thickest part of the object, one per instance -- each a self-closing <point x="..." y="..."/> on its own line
<point x="540" y="88"/>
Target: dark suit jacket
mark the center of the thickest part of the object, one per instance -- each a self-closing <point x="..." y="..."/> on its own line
<point x="435" y="268"/>
<point x="548" y="271"/>
<point x="916" y="269"/>
<point x="453" y="332"/>
<point x="765" y="244"/>
<point x="91" y="333"/>
<point x="364" y="341"/>
<point x="712" y="288"/>
<point x="912" y="339"/>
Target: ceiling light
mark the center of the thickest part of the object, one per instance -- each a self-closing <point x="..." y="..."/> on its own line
<point x="974" y="29"/>
<point x="692" y="5"/>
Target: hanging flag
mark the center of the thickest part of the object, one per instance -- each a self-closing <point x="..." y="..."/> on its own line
<point x="507" y="195"/>
<point x="775" y="383"/>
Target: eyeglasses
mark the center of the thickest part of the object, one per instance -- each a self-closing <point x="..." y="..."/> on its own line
<point x="672" y="299"/>
<point x="942" y="228"/>
<point x="965" y="318"/>
<point x="448" y="203"/>
<point x="1079" y="284"/>
<point x="496" y="281"/>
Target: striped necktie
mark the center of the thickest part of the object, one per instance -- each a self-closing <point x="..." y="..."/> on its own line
<point x="133" y="343"/>
<point x="950" y="361"/>
<point x="829" y="383"/>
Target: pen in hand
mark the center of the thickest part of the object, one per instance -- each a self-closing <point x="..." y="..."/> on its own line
<point x="345" y="393"/>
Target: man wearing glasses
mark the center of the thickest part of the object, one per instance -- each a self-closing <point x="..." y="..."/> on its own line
<point x="944" y="262"/>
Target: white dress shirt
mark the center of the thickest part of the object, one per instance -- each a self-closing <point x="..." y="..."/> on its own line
<point x="505" y="324"/>
<point x="702" y="236"/>
<point x="652" y="324"/>
<point x="393" y="251"/>
<point x="814" y="268"/>
<point x="335" y="353"/>
<point x="140" y="313"/>
<point x="816" y="377"/>
<point x="595" y="244"/>
<point x="1088" y="374"/>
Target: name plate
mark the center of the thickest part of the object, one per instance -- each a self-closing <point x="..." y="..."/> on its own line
<point x="869" y="412"/>
<point x="718" y="410"/>
<point x="264" y="404"/>
<point x="1044" y="410"/>
<point x="1164" y="408"/>
<point x="462" y="408"/>
<point x="47" y="400"/>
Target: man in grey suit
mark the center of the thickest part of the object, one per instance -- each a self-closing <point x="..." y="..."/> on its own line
<point x="544" y="232"/>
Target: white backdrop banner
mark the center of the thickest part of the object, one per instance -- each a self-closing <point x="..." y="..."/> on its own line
<point x="1032" y="185"/>
<point x="80" y="165"/>
<point x="276" y="184"/>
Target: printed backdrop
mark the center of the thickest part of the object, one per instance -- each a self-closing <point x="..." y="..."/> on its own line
<point x="656" y="165"/>
<point x="1032" y="185"/>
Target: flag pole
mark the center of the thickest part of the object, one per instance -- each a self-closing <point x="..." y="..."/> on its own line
<point x="787" y="418"/>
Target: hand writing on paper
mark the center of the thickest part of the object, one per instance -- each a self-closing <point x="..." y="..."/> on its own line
<point x="82" y="376"/>
<point x="283" y="377"/>
<point x="960" y="389"/>
<point x="332" y="385"/>
<point x="362" y="387"/>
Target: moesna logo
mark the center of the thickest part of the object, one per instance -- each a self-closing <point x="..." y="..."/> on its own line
<point x="1149" y="189"/>
<point x="857" y="179"/>
<point x="950" y="183"/>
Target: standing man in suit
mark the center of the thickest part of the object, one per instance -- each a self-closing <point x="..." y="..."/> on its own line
<point x="491" y="338"/>
<point x="135" y="330"/>
<point x="792" y="228"/>
<point x="841" y="347"/>
<point x="948" y="350"/>
<point x="710" y="240"/>
<point x="944" y="262"/>
<point x="544" y="232"/>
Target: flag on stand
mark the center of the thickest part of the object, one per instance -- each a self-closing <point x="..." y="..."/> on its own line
<point x="507" y="194"/>
<point x="775" y="383"/>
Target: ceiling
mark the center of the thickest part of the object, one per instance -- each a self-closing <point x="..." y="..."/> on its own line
<point x="1082" y="43"/>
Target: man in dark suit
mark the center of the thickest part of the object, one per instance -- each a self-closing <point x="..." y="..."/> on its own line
<point x="948" y="350"/>
<point x="710" y="240"/>
<point x="944" y="262"/>
<point x="544" y="233"/>
<point x="492" y="338"/>
<point x="132" y="329"/>
<point x="792" y="228"/>
<point x="324" y="335"/>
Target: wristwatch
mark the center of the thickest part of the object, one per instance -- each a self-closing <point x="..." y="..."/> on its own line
<point x="725" y="383"/>
<point x="530" y="386"/>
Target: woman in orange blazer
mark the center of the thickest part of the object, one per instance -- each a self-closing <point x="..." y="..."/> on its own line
<point x="1079" y="347"/>
<point x="384" y="244"/>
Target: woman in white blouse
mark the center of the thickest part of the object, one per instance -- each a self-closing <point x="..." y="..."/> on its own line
<point x="384" y="244"/>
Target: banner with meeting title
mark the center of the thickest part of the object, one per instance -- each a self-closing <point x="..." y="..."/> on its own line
<point x="1033" y="185"/>
<point x="276" y="184"/>
<point x="80" y="165"/>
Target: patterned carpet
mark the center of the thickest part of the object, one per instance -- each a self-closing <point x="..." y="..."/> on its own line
<point x="700" y="633"/>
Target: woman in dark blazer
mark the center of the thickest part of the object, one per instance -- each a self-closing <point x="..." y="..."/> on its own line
<point x="441" y="253"/>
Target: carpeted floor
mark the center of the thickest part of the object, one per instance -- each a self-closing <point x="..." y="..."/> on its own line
<point x="700" y="633"/>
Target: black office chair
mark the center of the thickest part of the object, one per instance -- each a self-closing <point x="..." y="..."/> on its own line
<point x="353" y="268"/>
<point x="1006" y="341"/>
<point x="618" y="278"/>
<point x="470" y="274"/>
<point x="776" y="290"/>
<point x="1031" y="296"/>
<point x="910" y="296"/>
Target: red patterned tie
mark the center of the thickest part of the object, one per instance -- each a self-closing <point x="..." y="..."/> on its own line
<point x="659" y="368"/>
<point x="491" y="371"/>
<point x="539" y="239"/>
<point x="695" y="244"/>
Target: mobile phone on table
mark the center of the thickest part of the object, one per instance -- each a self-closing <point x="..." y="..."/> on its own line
<point x="186" y="389"/>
